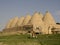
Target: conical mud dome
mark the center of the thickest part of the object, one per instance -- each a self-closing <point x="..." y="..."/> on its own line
<point x="26" y="20"/>
<point x="37" y="22"/>
<point x="36" y="19"/>
<point x="48" y="19"/>
<point x="20" y="21"/>
<point x="9" y="23"/>
<point x="13" y="24"/>
<point x="48" y="22"/>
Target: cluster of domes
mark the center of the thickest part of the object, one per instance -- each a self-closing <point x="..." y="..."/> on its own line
<point x="38" y="20"/>
<point x="35" y="19"/>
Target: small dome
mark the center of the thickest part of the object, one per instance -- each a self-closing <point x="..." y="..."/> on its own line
<point x="20" y="21"/>
<point x="13" y="24"/>
<point x="48" y="18"/>
<point x="9" y="23"/>
<point x="36" y="18"/>
<point x="27" y="19"/>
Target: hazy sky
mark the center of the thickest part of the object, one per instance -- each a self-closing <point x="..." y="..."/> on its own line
<point x="11" y="8"/>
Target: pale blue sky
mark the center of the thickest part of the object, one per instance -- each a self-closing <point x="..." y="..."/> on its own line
<point x="11" y="8"/>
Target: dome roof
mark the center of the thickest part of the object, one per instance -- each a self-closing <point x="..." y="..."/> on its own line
<point x="13" y="24"/>
<point x="36" y="19"/>
<point x="20" y="21"/>
<point x="27" y="19"/>
<point x="9" y="23"/>
<point x="48" y="19"/>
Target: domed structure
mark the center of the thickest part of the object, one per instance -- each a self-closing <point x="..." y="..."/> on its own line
<point x="9" y="23"/>
<point x="20" y="21"/>
<point x="48" y="22"/>
<point x="36" y="18"/>
<point x="37" y="22"/>
<point x="13" y="24"/>
<point x="26" y="20"/>
<point x="48" y="19"/>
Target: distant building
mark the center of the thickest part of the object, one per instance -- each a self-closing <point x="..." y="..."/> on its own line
<point x="37" y="23"/>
